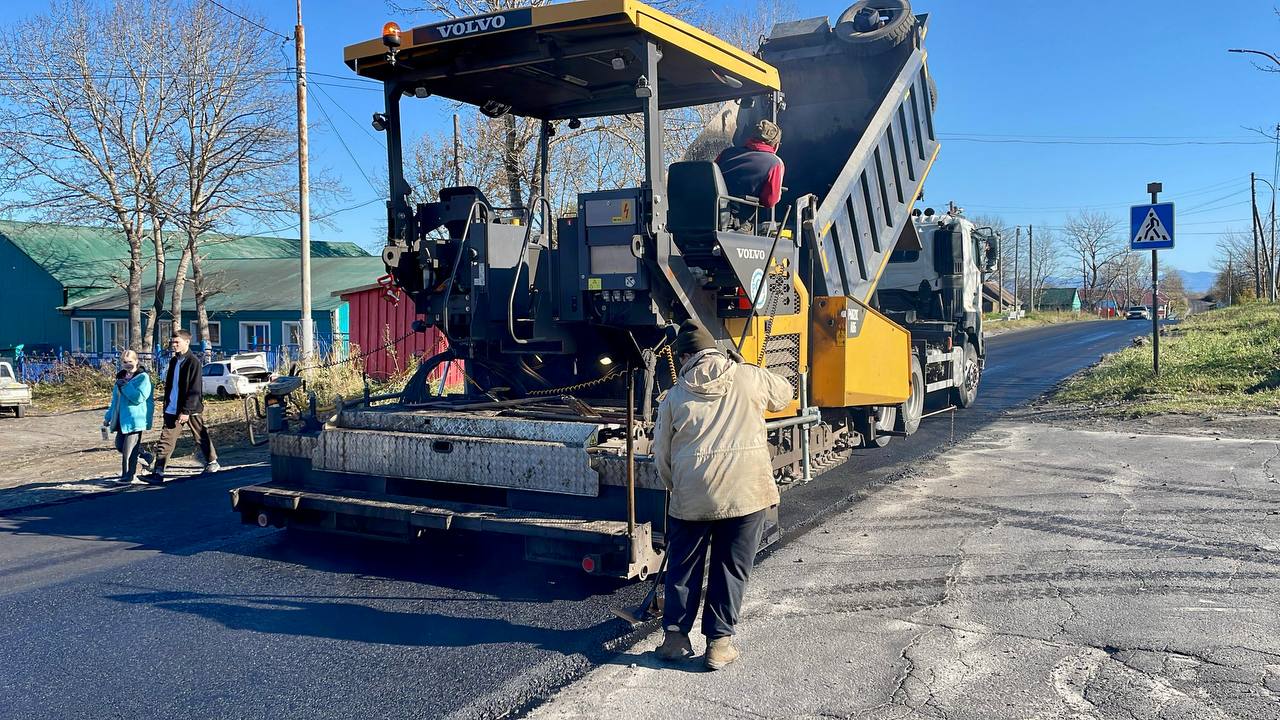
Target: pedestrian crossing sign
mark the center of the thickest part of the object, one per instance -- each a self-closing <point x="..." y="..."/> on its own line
<point x="1151" y="226"/>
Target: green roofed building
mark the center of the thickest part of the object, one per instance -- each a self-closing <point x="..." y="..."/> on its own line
<point x="1058" y="300"/>
<point x="49" y="270"/>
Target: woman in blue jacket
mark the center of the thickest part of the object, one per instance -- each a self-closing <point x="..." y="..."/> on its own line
<point x="131" y="411"/>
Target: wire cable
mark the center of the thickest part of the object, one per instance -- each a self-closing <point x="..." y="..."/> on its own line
<point x="286" y="38"/>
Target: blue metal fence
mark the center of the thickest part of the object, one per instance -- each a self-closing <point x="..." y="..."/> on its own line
<point x="52" y="367"/>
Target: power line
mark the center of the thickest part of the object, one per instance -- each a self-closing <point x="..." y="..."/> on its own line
<point x="363" y="126"/>
<point x="1181" y="196"/>
<point x="1097" y="137"/>
<point x="1019" y="141"/>
<point x="338" y="134"/>
<point x="286" y="38"/>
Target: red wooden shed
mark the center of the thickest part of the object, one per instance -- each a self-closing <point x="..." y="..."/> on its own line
<point x="373" y="321"/>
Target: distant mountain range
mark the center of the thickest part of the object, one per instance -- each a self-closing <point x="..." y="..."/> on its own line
<point x="1197" y="282"/>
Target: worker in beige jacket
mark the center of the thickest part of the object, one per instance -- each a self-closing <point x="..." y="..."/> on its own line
<point x="711" y="450"/>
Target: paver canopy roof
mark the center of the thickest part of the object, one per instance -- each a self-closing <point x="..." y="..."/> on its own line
<point x="566" y="60"/>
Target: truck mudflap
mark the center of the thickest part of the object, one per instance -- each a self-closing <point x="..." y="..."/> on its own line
<point x="599" y="547"/>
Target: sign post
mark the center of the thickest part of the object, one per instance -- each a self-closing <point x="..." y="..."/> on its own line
<point x="1151" y="228"/>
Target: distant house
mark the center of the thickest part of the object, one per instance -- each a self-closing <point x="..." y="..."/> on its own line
<point x="255" y="306"/>
<point x="1101" y="301"/>
<point x="1058" y="300"/>
<point x="46" y="267"/>
<point x="996" y="298"/>
<point x="1163" y="305"/>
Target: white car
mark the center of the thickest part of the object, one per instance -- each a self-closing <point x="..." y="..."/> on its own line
<point x="243" y="374"/>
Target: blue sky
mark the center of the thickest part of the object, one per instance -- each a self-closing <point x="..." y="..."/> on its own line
<point x="1040" y="107"/>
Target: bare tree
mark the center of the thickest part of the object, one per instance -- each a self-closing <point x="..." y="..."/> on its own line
<point x="233" y="144"/>
<point x="1091" y="243"/>
<point x="1044" y="262"/>
<point x="1008" y="248"/>
<point x="81" y="129"/>
<point x="1235" y="265"/>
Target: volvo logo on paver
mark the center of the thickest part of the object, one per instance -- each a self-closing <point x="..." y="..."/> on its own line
<point x="472" y="26"/>
<point x="752" y="254"/>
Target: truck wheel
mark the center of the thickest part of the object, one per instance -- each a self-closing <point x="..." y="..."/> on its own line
<point x="970" y="374"/>
<point x="858" y="26"/>
<point x="20" y="411"/>
<point x="912" y="410"/>
<point x="863" y="419"/>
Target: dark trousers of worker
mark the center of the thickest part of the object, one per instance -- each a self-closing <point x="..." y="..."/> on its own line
<point x="129" y="445"/>
<point x="731" y="544"/>
<point x="169" y="439"/>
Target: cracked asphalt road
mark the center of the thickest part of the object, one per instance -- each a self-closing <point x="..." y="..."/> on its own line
<point x="1033" y="571"/>
<point x="157" y="603"/>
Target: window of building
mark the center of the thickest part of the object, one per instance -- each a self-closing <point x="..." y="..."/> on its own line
<point x="255" y="336"/>
<point x="115" y="335"/>
<point x="83" y="335"/>
<point x="292" y="330"/>
<point x="215" y="333"/>
<point x="166" y="332"/>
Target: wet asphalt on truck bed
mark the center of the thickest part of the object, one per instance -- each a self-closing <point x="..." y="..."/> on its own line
<point x="158" y="603"/>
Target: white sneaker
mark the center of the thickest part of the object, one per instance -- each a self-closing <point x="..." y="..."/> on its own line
<point x="212" y="467"/>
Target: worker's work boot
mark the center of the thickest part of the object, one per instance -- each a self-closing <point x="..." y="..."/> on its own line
<point x="720" y="652"/>
<point x="675" y="647"/>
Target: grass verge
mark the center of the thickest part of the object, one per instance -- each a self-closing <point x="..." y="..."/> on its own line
<point x="995" y="322"/>
<point x="1222" y="361"/>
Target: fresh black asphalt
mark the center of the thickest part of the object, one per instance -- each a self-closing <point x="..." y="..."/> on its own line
<point x="158" y="603"/>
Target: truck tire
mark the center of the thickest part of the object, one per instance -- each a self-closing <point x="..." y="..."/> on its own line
<point x="911" y="411"/>
<point x="971" y="374"/>
<point x="865" y="43"/>
<point x="862" y="422"/>
<point x="20" y="411"/>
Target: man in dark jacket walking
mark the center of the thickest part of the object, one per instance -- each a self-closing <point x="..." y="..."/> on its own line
<point x="183" y="405"/>
<point x="754" y="170"/>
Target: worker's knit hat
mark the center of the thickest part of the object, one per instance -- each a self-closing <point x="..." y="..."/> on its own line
<point x="768" y="132"/>
<point x="693" y="338"/>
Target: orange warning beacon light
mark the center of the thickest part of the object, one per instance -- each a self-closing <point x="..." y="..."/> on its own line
<point x="391" y="35"/>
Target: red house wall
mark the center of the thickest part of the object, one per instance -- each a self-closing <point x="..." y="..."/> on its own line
<point x="373" y="321"/>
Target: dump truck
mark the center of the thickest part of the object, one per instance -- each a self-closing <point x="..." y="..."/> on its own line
<point x="562" y="319"/>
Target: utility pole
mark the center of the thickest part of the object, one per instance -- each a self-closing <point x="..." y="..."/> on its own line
<point x="1017" y="279"/>
<point x="1257" y="229"/>
<point x="1155" y="188"/>
<point x="1230" y="279"/>
<point x="1000" y="284"/>
<point x="457" y="154"/>
<point x="304" y="191"/>
<point x="1031" y="267"/>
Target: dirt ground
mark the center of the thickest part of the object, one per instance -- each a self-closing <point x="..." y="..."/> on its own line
<point x="66" y="452"/>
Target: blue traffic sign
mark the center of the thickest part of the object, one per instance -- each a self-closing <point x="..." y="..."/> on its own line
<point x="1151" y="226"/>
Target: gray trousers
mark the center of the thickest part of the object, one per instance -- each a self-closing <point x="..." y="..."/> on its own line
<point x="129" y="445"/>
<point x="732" y="545"/>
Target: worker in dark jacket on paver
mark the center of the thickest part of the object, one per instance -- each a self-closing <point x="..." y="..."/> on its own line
<point x="183" y="406"/>
<point x="754" y="170"/>
<point x="711" y="450"/>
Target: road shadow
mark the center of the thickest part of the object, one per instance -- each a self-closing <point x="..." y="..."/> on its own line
<point x="363" y="620"/>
